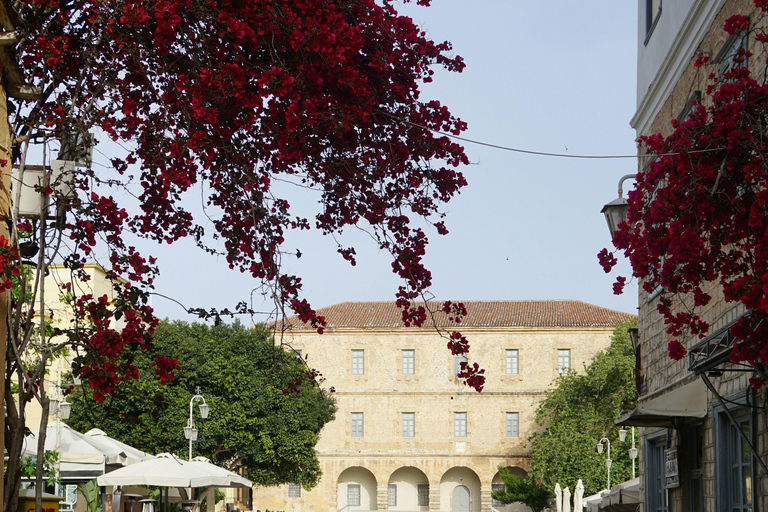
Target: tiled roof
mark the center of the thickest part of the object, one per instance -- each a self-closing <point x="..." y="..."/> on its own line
<point x="486" y="313"/>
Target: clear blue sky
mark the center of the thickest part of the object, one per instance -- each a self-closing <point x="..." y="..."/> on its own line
<point x="550" y="76"/>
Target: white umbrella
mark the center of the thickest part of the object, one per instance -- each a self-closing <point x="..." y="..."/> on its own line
<point x="558" y="498"/>
<point x="578" y="494"/>
<point x="566" y="500"/>
<point x="233" y="479"/>
<point x="77" y="456"/>
<point x="167" y="470"/>
<point x="117" y="452"/>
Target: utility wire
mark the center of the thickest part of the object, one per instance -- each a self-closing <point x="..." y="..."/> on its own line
<point x="538" y="153"/>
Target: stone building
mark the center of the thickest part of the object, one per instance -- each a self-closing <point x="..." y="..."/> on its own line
<point x="698" y="414"/>
<point x="408" y="435"/>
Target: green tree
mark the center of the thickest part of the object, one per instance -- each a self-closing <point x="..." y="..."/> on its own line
<point x="580" y="411"/>
<point x="266" y="407"/>
<point x="519" y="489"/>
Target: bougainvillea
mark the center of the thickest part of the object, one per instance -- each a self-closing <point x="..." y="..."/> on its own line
<point x="698" y="216"/>
<point x="235" y="97"/>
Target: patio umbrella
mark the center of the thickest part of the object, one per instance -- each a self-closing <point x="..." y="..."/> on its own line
<point x="117" y="452"/>
<point x="578" y="494"/>
<point x="566" y="500"/>
<point x="167" y="470"/>
<point x="78" y="457"/>
<point x="558" y="498"/>
<point x="233" y="479"/>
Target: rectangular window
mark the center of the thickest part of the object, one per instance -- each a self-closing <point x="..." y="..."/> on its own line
<point x="460" y="424"/>
<point x="729" y="51"/>
<point x="298" y="353"/>
<point x="656" y="498"/>
<point x="423" y="494"/>
<point x="294" y="491"/>
<point x="497" y="488"/>
<point x="353" y="495"/>
<point x="563" y="361"/>
<point x="513" y="424"/>
<point x="409" y="362"/>
<point x="734" y="459"/>
<point x="358" y="362"/>
<point x="409" y="424"/>
<point x="511" y="362"/>
<point x="356" y="424"/>
<point x="457" y="360"/>
<point x="652" y="12"/>
<point x="392" y="495"/>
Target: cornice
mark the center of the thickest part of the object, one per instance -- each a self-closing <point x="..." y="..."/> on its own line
<point x="695" y="26"/>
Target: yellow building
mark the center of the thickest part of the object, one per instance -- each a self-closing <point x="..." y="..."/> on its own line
<point x="408" y="435"/>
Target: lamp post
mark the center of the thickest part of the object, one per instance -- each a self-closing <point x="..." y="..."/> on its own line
<point x="608" y="461"/>
<point x="616" y="211"/>
<point x="633" y="450"/>
<point x="190" y="432"/>
<point x="60" y="409"/>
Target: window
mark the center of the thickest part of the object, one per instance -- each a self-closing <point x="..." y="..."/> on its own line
<point x="298" y="353"/>
<point x="497" y="488"/>
<point x="358" y="362"/>
<point x="652" y="13"/>
<point x="460" y="424"/>
<point x="694" y="99"/>
<point x="734" y="460"/>
<point x="563" y="361"/>
<point x="423" y="494"/>
<point x="353" y="495"/>
<point x="408" y="362"/>
<point x="294" y="491"/>
<point x="730" y="49"/>
<point x="409" y="424"/>
<point x="457" y="360"/>
<point x="356" y="424"/>
<point x="656" y="494"/>
<point x="392" y="495"/>
<point x="511" y="362"/>
<point x="513" y="424"/>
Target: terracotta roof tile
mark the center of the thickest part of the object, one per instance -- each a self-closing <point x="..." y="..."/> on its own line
<point x="487" y="313"/>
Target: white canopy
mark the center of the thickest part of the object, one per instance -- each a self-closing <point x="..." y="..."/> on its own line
<point x="233" y="479"/>
<point x="116" y="451"/>
<point x="78" y="457"/>
<point x="167" y="470"/>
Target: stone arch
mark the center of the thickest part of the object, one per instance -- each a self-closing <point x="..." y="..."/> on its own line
<point x="512" y="507"/>
<point x="356" y="484"/>
<point x="455" y="477"/>
<point x="407" y="480"/>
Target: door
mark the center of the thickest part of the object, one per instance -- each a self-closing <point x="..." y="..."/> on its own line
<point x="460" y="499"/>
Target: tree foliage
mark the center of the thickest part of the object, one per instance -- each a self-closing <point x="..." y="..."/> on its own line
<point x="579" y="412"/>
<point x="698" y="216"/>
<point x="266" y="408"/>
<point x="241" y="99"/>
<point x="519" y="489"/>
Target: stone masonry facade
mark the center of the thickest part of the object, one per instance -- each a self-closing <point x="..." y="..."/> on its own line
<point x="408" y="435"/>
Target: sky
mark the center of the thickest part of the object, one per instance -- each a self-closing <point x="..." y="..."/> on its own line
<point x="552" y="76"/>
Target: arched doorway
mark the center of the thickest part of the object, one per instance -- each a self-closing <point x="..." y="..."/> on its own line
<point x="460" y="476"/>
<point x="460" y="499"/>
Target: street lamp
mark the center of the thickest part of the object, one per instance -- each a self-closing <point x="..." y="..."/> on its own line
<point x="633" y="450"/>
<point x="190" y="431"/>
<point x="616" y="211"/>
<point x="608" y="461"/>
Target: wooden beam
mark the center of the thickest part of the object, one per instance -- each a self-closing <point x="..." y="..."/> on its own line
<point x="8" y="39"/>
<point x="24" y="92"/>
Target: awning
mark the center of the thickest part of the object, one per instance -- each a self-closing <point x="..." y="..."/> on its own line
<point x="669" y="409"/>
